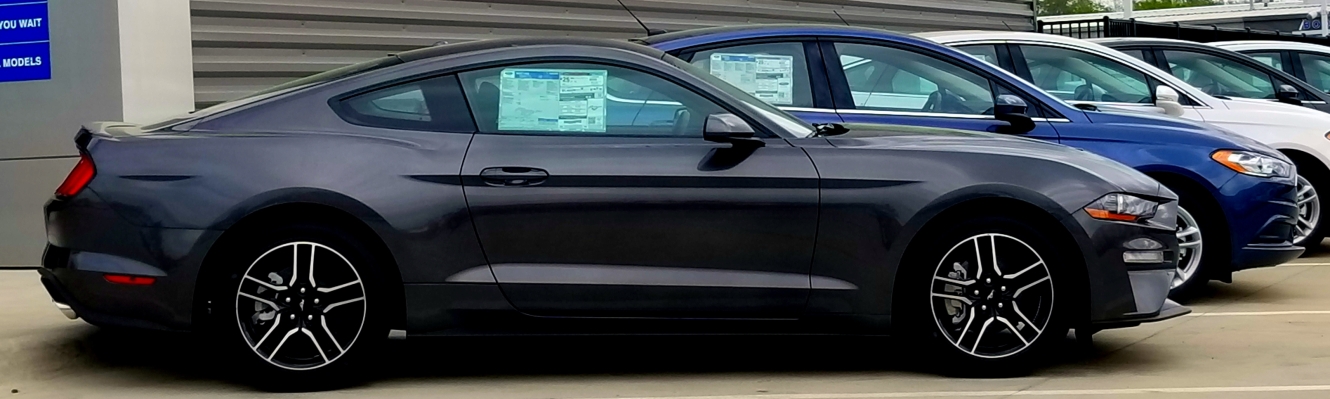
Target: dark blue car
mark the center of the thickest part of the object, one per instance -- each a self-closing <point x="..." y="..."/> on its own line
<point x="1237" y="195"/>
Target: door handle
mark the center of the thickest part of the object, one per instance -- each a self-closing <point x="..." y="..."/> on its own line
<point x="513" y="176"/>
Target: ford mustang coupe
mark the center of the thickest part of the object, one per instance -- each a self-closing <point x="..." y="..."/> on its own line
<point x="518" y="186"/>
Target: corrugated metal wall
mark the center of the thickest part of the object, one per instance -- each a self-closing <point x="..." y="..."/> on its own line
<point x="241" y="46"/>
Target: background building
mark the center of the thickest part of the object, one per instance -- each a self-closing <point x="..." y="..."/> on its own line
<point x="1275" y="16"/>
<point x="143" y="60"/>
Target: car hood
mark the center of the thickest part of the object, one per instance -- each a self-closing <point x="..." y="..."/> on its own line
<point x="918" y="138"/>
<point x="1213" y="135"/>
<point x="1281" y="114"/>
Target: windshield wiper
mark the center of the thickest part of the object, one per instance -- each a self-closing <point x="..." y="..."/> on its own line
<point x="829" y="129"/>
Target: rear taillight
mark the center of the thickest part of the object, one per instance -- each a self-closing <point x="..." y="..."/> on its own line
<point x="78" y="178"/>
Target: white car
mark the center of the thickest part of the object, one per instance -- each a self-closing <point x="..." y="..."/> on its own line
<point x="1088" y="74"/>
<point x="1305" y="61"/>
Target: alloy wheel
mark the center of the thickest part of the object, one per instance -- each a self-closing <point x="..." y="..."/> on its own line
<point x="1309" y="211"/>
<point x="992" y="295"/>
<point x="301" y="305"/>
<point x="1190" y="248"/>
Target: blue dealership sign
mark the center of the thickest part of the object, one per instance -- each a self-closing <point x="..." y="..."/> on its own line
<point x="25" y="41"/>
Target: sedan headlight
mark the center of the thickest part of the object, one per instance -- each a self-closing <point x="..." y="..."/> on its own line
<point x="1122" y="207"/>
<point x="1250" y="163"/>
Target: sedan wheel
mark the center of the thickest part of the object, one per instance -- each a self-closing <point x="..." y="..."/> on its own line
<point x="1190" y="248"/>
<point x="301" y="305"/>
<point x="1309" y="211"/>
<point x="992" y="296"/>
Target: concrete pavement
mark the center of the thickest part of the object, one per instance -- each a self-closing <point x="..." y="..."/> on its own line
<point x="1262" y="336"/>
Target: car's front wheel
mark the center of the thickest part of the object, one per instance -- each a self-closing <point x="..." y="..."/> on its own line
<point x="993" y="297"/>
<point x="303" y="308"/>
<point x="1191" y="250"/>
<point x="1308" y="231"/>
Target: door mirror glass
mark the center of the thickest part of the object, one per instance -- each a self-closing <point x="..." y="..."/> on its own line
<point x="1288" y="94"/>
<point x="1167" y="98"/>
<point x="1011" y="109"/>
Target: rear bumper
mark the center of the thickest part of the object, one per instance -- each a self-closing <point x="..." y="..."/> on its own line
<point x="86" y="240"/>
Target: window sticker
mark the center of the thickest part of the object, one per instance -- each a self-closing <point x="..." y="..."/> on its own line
<point x="560" y="100"/>
<point x="767" y="77"/>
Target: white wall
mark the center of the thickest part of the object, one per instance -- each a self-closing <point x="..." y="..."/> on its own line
<point x="113" y="60"/>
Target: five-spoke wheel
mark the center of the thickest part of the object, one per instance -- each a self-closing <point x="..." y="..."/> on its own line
<point x="992" y="295"/>
<point x="300" y="305"/>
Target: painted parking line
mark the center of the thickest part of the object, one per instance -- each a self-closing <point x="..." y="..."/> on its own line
<point x="1306" y="264"/>
<point x="1050" y="392"/>
<point x="1272" y="313"/>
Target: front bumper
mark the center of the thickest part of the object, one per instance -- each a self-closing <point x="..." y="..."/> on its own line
<point x="1150" y="290"/>
<point x="1123" y="294"/>
<point x="1261" y="215"/>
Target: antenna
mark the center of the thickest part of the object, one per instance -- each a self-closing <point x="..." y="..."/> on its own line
<point x="1004" y="23"/>
<point x="650" y="32"/>
<point x="842" y="19"/>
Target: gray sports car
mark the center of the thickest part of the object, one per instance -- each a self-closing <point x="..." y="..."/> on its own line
<point x="588" y="186"/>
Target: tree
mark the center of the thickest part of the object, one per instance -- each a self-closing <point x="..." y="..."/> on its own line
<point x="1063" y="7"/>
<point x="1162" y="4"/>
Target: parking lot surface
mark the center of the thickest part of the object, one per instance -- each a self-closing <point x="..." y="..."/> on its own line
<point x="1262" y="336"/>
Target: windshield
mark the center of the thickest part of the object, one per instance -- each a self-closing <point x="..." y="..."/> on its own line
<point x="786" y="121"/>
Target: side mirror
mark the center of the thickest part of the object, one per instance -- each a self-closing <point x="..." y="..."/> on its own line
<point x="1011" y="109"/>
<point x="1288" y="94"/>
<point x="1167" y="98"/>
<point x="729" y="128"/>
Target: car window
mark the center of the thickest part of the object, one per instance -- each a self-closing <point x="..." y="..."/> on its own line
<point x="1079" y="76"/>
<point x="890" y="79"/>
<point x="1219" y="76"/>
<point x="419" y="105"/>
<point x="773" y="72"/>
<point x="582" y="99"/>
<point x="1134" y="53"/>
<point x="1271" y="58"/>
<point x="1317" y="69"/>
<point x="984" y="52"/>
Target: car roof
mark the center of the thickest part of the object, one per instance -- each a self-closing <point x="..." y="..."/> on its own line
<point x="1110" y="41"/>
<point x="483" y="45"/>
<point x="770" y="30"/>
<point x="1244" y="45"/>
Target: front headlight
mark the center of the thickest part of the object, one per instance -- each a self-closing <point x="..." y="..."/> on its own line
<point x="1250" y="163"/>
<point x="1122" y="207"/>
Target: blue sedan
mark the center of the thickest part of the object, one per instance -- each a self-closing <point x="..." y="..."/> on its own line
<point x="1237" y="195"/>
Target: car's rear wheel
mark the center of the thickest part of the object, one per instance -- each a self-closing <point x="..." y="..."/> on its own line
<point x="993" y="299"/>
<point x="302" y="307"/>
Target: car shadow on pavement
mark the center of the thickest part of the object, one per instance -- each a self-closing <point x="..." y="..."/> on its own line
<point x="154" y="358"/>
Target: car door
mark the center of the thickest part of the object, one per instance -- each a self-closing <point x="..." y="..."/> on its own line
<point x="1314" y="69"/>
<point x="788" y="70"/>
<point x="1080" y="77"/>
<point x="874" y="82"/>
<point x="1222" y="76"/>
<point x="594" y="194"/>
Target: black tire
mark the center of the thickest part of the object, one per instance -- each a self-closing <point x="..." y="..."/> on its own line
<point x="940" y="325"/>
<point x="313" y="350"/>
<point x="1215" y="257"/>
